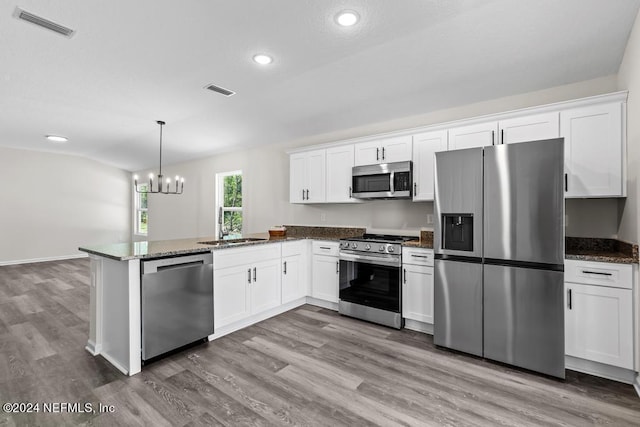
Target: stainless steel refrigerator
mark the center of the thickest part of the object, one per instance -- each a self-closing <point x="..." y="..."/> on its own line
<point x="499" y="253"/>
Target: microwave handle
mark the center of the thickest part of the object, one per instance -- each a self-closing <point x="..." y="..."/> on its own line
<point x="393" y="176"/>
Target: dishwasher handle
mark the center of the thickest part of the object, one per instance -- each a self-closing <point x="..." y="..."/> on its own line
<point x="164" y="264"/>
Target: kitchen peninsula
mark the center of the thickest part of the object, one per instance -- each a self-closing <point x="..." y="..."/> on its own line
<point x="115" y="288"/>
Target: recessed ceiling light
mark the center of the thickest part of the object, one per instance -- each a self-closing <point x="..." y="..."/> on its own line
<point x="57" y="138"/>
<point x="262" y="59"/>
<point x="347" y="18"/>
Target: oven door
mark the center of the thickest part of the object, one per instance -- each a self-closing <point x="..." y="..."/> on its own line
<point x="370" y="280"/>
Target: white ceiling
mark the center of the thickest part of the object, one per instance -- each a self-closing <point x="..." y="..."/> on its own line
<point x="133" y="62"/>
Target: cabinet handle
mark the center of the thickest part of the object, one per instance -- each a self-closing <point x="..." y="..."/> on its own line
<point x="596" y="272"/>
<point x="566" y="183"/>
<point x="501" y="136"/>
<point x="303" y="194"/>
<point x="415" y="189"/>
<point x="255" y="274"/>
<point x="325" y="247"/>
<point x="382" y="153"/>
<point x="377" y="154"/>
<point x="493" y="137"/>
<point x="307" y="194"/>
<point x="404" y="276"/>
<point x="569" y="299"/>
<point x="350" y="192"/>
<point x="420" y="256"/>
<point x="285" y="267"/>
<point x="249" y="275"/>
<point x="337" y="267"/>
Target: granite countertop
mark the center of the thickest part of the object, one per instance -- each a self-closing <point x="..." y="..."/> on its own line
<point x="165" y="248"/>
<point x="576" y="248"/>
<point x="600" y="250"/>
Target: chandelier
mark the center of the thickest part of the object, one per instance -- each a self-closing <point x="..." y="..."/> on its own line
<point x="160" y="187"/>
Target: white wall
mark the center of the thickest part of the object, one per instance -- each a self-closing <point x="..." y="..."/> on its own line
<point x="629" y="78"/>
<point x="52" y="203"/>
<point x="266" y="181"/>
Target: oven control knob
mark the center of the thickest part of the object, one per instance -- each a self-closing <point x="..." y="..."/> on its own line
<point x="367" y="246"/>
<point x="390" y="249"/>
<point x="354" y="245"/>
<point x="381" y="249"/>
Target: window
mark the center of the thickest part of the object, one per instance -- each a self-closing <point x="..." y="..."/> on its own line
<point x="229" y="201"/>
<point x="142" y="215"/>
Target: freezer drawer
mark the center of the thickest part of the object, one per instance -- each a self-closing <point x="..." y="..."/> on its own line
<point x="177" y="302"/>
<point x="524" y="318"/>
<point x="457" y="322"/>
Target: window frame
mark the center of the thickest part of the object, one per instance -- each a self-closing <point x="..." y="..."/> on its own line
<point x="138" y="210"/>
<point x="219" y="199"/>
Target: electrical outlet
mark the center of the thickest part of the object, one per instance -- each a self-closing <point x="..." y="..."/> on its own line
<point x="323" y="217"/>
<point x="429" y="219"/>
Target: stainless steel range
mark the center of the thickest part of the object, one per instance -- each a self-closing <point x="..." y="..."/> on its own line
<point x="371" y="277"/>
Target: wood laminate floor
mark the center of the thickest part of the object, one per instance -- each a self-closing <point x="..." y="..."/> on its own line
<point x="308" y="366"/>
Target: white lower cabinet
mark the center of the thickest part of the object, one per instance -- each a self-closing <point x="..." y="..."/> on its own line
<point x="599" y="318"/>
<point x="325" y="271"/>
<point x="246" y="281"/>
<point x="417" y="284"/>
<point x="294" y="271"/>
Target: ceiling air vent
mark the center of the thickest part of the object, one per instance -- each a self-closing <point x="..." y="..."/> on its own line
<point x="225" y="92"/>
<point x="42" y="22"/>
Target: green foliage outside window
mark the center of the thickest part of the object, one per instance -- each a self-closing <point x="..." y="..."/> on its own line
<point x="232" y="220"/>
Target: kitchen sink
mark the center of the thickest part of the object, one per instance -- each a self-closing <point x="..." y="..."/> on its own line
<point x="231" y="242"/>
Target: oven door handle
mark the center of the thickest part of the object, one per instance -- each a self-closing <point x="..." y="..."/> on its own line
<point x="388" y="262"/>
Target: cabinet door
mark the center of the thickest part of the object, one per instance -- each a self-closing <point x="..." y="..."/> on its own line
<point x="293" y="286"/>
<point x="396" y="149"/>
<point x="340" y="161"/>
<point x="417" y="293"/>
<point x="316" y="176"/>
<point x="231" y="300"/>
<point x="367" y="153"/>
<point x="530" y="128"/>
<point x="297" y="177"/>
<point x="425" y="145"/>
<point x="265" y="286"/>
<point x="325" y="274"/>
<point x="593" y="150"/>
<point x="598" y="322"/>
<point x="473" y="136"/>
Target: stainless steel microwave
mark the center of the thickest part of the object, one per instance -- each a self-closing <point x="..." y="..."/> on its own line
<point x="383" y="181"/>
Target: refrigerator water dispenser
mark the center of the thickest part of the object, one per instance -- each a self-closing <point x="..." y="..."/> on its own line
<point x="457" y="232"/>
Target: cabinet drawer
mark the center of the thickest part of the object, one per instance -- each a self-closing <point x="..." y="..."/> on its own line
<point x="599" y="273"/>
<point x="223" y="258"/>
<point x="294" y="248"/>
<point x="325" y="248"/>
<point x="417" y="256"/>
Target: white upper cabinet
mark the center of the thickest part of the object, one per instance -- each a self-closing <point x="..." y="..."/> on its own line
<point x="425" y="145"/>
<point x="472" y="136"/>
<point x="529" y="128"/>
<point x="307" y="177"/>
<point x="386" y="150"/>
<point x="340" y="161"/>
<point x="593" y="150"/>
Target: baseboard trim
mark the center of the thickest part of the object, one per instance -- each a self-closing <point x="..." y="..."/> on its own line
<point x="601" y="370"/>
<point x="322" y="303"/>
<point x="417" y="326"/>
<point x="636" y="385"/>
<point x="115" y="363"/>
<point x="92" y="348"/>
<point x="46" y="259"/>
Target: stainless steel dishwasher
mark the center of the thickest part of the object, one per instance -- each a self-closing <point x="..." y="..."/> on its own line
<point x="177" y="302"/>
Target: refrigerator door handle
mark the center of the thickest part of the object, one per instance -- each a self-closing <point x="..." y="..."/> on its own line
<point x="569" y="305"/>
<point x="566" y="183"/>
